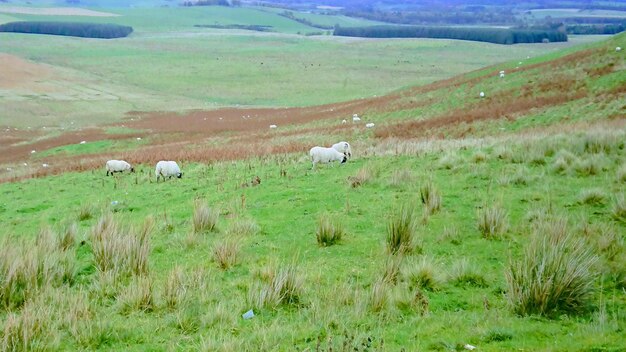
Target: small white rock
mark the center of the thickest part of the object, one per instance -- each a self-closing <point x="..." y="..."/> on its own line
<point x="248" y="315"/>
<point x="138" y="138"/>
<point x="482" y="94"/>
<point x="25" y="164"/>
<point x="370" y="125"/>
<point x="273" y="126"/>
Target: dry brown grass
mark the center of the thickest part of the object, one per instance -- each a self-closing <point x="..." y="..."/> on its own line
<point x="226" y="252"/>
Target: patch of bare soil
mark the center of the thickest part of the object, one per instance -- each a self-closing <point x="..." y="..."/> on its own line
<point x="16" y="72"/>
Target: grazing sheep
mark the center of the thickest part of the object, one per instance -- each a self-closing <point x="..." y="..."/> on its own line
<point x="167" y="169"/>
<point x="343" y="147"/>
<point x="356" y="118"/>
<point x="370" y="125"/>
<point x="114" y="166"/>
<point x="326" y="155"/>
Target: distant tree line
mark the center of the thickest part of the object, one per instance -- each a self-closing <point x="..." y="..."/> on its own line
<point x="491" y="35"/>
<point x="499" y="17"/>
<point x="72" y="29"/>
<point x="249" y="27"/>
<point x="595" y="29"/>
<point x="211" y="3"/>
<point x="291" y="16"/>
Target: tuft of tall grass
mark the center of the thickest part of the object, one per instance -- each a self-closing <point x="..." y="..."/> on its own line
<point x="204" y="218"/>
<point x="86" y="212"/>
<point x="243" y="227"/>
<point x="479" y="157"/>
<point x="401" y="231"/>
<point x="121" y="251"/>
<point x="563" y="161"/>
<point x="379" y="296"/>
<point x="596" y="142"/>
<point x="401" y="178"/>
<point x="422" y="274"/>
<point x="226" y="252"/>
<point x="363" y="176"/>
<point x="493" y="222"/>
<point x="554" y="274"/>
<point x="284" y="287"/>
<point x="30" y="330"/>
<point x="329" y="230"/>
<point x="466" y="273"/>
<point x="590" y="166"/>
<point x="621" y="174"/>
<point x="138" y="296"/>
<point x="618" y="208"/>
<point x="68" y="236"/>
<point x="393" y="266"/>
<point x="448" y="161"/>
<point x="175" y="288"/>
<point x="429" y="194"/>
<point x="414" y="301"/>
<point x="593" y="196"/>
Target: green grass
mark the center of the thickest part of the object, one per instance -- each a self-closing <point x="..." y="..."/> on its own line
<point x="338" y="282"/>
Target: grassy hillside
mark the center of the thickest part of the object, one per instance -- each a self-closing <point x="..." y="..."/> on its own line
<point x="493" y="183"/>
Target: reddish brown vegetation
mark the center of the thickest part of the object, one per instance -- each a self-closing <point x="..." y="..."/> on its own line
<point x="184" y="137"/>
<point x="487" y="111"/>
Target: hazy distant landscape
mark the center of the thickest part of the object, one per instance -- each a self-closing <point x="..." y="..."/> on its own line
<point x="481" y="205"/>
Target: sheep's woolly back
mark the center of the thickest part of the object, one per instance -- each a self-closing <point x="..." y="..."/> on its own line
<point x="117" y="165"/>
<point x="166" y="169"/>
<point x="325" y="155"/>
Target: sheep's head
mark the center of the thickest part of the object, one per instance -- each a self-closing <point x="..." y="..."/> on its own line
<point x="345" y="158"/>
<point x="179" y="175"/>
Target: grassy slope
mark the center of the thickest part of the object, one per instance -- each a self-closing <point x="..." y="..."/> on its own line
<point x="168" y="64"/>
<point x="517" y="173"/>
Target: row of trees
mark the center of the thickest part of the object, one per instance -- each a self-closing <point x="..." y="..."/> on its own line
<point x="491" y="35"/>
<point x="72" y="29"/>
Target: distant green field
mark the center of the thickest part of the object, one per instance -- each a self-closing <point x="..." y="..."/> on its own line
<point x="556" y="13"/>
<point x="206" y="68"/>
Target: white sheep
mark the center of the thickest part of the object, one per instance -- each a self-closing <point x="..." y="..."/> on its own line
<point x="356" y="118"/>
<point x="167" y="169"/>
<point x="326" y="155"/>
<point x="113" y="166"/>
<point x="273" y="126"/>
<point x="370" y="125"/>
<point x="343" y="147"/>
